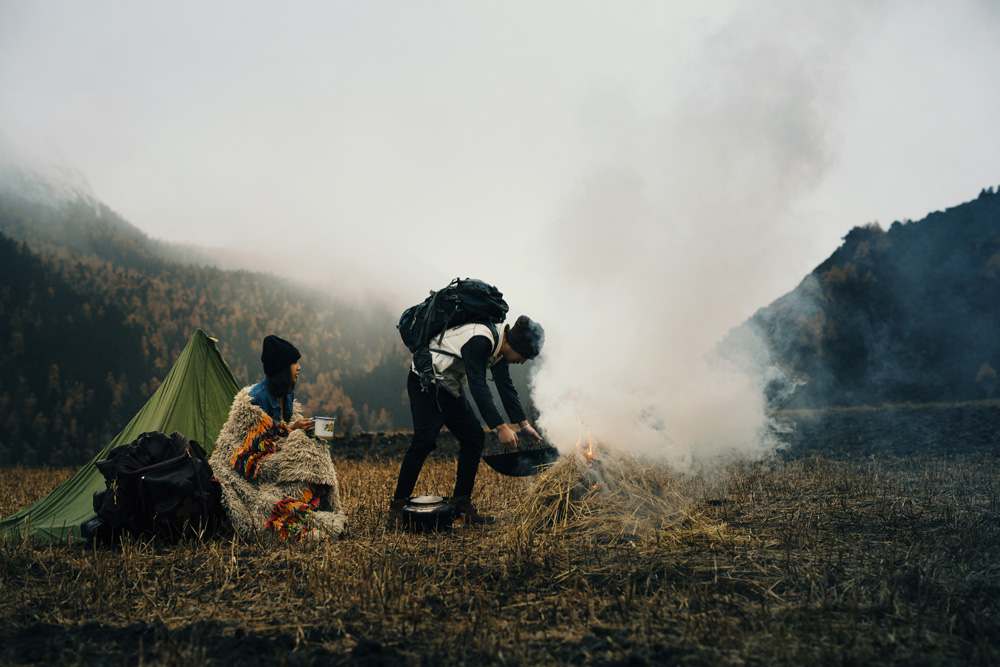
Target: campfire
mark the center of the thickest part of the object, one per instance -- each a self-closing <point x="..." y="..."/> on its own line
<point x="602" y="491"/>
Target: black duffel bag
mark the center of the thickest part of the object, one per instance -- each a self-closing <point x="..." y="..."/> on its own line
<point x="157" y="486"/>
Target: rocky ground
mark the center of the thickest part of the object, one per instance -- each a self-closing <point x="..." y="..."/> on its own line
<point x="933" y="430"/>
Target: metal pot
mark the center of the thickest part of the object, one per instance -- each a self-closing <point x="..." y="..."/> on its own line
<point x="523" y="462"/>
<point x="427" y="513"/>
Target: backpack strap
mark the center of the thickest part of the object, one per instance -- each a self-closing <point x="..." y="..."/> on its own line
<point x="496" y="338"/>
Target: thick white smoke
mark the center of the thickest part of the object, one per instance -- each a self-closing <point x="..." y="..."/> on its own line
<point x="666" y="248"/>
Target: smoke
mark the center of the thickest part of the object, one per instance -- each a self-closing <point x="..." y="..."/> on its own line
<point x="668" y="245"/>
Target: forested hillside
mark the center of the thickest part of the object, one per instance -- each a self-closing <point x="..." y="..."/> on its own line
<point x="908" y="314"/>
<point x="93" y="315"/>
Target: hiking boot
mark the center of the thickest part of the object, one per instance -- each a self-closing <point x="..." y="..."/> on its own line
<point x="464" y="512"/>
<point x="396" y="517"/>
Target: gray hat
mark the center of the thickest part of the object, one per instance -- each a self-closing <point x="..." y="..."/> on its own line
<point x="526" y="337"/>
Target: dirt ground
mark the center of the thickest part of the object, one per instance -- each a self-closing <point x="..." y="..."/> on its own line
<point x="917" y="430"/>
<point x="873" y="537"/>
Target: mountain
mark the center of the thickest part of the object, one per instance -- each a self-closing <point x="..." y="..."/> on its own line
<point x="93" y="313"/>
<point x="908" y="314"/>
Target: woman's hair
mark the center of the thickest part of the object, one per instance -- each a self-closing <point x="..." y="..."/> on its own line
<point x="281" y="383"/>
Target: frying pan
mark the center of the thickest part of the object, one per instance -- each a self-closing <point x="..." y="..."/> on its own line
<point x="523" y="462"/>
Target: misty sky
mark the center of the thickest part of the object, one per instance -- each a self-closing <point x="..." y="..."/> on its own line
<point x="639" y="176"/>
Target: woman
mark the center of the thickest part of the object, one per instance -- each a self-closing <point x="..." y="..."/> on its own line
<point x="277" y="478"/>
<point x="274" y="394"/>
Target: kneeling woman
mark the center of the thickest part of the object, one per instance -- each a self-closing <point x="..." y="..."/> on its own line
<point x="277" y="478"/>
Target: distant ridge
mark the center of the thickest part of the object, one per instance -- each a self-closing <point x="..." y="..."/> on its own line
<point x="908" y="314"/>
<point x="93" y="312"/>
<point x="39" y="180"/>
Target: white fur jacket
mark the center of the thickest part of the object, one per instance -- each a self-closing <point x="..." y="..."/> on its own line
<point x="274" y="481"/>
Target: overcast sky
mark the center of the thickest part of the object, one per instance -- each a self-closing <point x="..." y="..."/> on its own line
<point x="692" y="158"/>
<point x="454" y="137"/>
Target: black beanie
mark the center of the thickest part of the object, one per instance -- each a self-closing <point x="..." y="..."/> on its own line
<point x="526" y="337"/>
<point x="277" y="354"/>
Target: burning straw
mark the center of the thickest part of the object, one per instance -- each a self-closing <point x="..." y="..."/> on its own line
<point x="605" y="494"/>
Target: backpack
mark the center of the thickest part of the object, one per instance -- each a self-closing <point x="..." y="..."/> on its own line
<point x="157" y="486"/>
<point x="461" y="302"/>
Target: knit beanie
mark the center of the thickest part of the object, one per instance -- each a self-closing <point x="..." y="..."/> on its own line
<point x="277" y="354"/>
<point x="526" y="337"/>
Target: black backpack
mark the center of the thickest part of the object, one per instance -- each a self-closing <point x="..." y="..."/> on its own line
<point x="157" y="486"/>
<point x="461" y="302"/>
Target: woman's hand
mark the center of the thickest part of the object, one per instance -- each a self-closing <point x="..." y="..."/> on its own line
<point x="306" y="425"/>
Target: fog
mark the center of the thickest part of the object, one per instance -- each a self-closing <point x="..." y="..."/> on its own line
<point x="665" y="251"/>
<point x="639" y="178"/>
<point x="690" y="217"/>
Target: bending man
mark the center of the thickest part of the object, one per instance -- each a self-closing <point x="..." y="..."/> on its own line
<point x="460" y="360"/>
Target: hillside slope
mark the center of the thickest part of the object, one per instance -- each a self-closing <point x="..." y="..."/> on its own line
<point x="908" y="314"/>
<point x="94" y="313"/>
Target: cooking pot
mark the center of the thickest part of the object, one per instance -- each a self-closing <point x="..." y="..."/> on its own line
<point x="523" y="462"/>
<point x="427" y="513"/>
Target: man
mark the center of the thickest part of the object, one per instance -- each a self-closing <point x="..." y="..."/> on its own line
<point x="460" y="359"/>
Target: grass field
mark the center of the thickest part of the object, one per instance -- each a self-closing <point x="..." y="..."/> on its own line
<point x="795" y="560"/>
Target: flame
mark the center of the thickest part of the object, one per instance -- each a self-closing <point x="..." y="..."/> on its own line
<point x="587" y="451"/>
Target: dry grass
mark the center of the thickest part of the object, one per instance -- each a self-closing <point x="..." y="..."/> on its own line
<point x="22" y="486"/>
<point x="809" y="560"/>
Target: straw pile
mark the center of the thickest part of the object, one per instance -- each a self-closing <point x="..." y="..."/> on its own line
<point x="611" y="495"/>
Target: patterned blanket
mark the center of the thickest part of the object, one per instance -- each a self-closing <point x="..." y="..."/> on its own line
<point x="276" y="482"/>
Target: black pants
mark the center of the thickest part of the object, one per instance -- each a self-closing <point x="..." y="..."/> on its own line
<point x="431" y="411"/>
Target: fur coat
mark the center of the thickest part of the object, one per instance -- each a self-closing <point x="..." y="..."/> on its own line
<point x="275" y="481"/>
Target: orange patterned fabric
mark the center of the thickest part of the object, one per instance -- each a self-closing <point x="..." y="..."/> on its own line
<point x="290" y="516"/>
<point x="260" y="442"/>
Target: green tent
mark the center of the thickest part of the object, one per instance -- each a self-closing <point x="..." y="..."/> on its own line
<point x="193" y="399"/>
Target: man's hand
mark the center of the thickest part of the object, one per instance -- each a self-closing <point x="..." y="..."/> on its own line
<point x="508" y="439"/>
<point x="529" y="433"/>
<point x="306" y="425"/>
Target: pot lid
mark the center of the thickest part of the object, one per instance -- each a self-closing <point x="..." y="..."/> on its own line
<point x="426" y="500"/>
